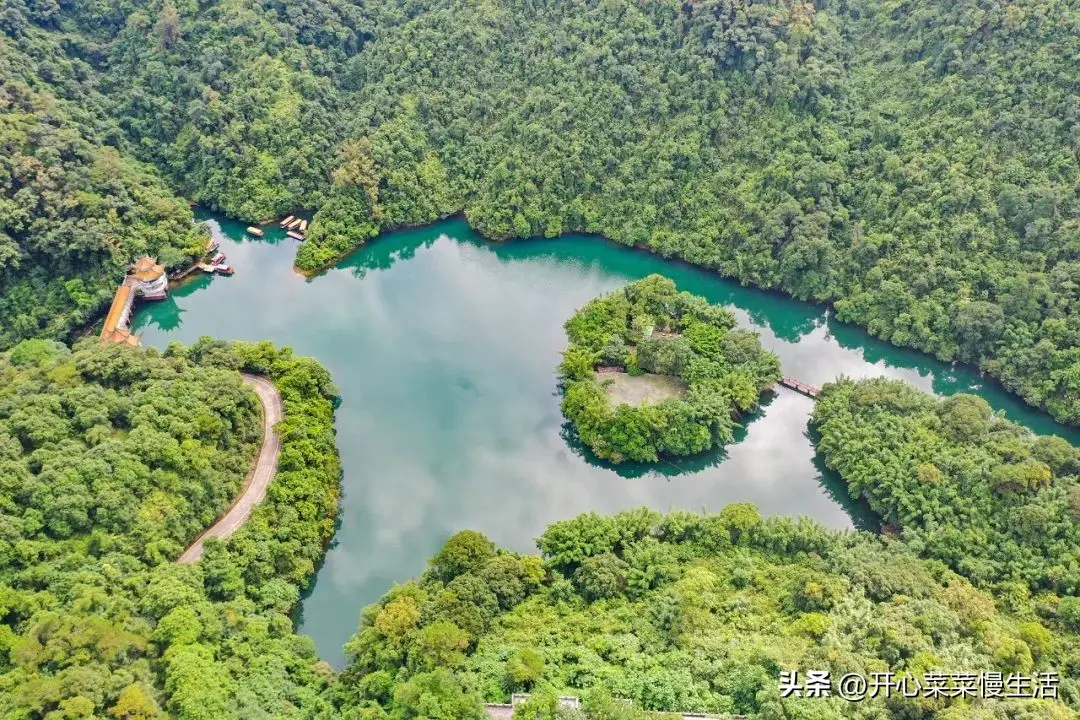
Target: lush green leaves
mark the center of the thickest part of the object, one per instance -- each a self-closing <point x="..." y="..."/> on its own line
<point x="915" y="167"/>
<point x="960" y="483"/>
<point x="698" y="373"/>
<point x="700" y="612"/>
<point x="112" y="460"/>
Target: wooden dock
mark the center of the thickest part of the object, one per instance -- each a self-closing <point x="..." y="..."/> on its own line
<point x="799" y="386"/>
<point x="181" y="274"/>
<point x="211" y="246"/>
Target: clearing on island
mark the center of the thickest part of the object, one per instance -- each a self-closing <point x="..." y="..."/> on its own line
<point x="625" y="389"/>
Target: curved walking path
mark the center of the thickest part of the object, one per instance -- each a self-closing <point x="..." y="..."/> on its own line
<point x="256" y="482"/>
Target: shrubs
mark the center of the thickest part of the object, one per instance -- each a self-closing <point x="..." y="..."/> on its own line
<point x="524" y="668"/>
<point x="423" y="630"/>
<point x="465" y="551"/>
<point x="601" y="576"/>
<point x="970" y="488"/>
<point x="114" y="460"/>
<point x="711" y="372"/>
<point x="698" y="613"/>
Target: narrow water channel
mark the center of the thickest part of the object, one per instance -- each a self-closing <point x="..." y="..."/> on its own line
<point x="444" y="347"/>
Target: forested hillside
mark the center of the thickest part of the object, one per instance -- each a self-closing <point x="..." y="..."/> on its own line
<point x="823" y="149"/>
<point x="689" y="612"/>
<point x="962" y="485"/>
<point x="73" y="209"/>
<point x="111" y="461"/>
<point x="976" y="567"/>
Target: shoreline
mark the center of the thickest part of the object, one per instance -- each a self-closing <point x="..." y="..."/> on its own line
<point x="76" y="334"/>
<point x="826" y="306"/>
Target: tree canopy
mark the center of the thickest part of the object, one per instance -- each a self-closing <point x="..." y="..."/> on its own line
<point x="689" y="612"/>
<point x="822" y="149"/>
<point x="112" y="460"/>
<point x="995" y="502"/>
<point x="915" y="165"/>
<point x="648" y="328"/>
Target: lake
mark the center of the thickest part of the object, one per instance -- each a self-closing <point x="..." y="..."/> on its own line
<point x="445" y="347"/>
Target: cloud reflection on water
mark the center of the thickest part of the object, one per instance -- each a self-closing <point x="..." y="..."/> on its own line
<point x="444" y="349"/>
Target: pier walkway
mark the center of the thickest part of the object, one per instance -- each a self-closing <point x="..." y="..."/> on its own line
<point x="145" y="279"/>
<point x="256" y="482"/>
<point x="116" y="327"/>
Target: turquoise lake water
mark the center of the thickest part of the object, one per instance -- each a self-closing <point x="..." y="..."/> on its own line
<point x="445" y="346"/>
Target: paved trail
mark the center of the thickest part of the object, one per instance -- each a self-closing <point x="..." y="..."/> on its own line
<point x="257" y="480"/>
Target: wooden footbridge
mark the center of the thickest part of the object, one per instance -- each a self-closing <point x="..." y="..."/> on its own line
<point x="799" y="386"/>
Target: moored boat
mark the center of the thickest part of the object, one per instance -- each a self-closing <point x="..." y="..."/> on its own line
<point x="223" y="269"/>
<point x="217" y="259"/>
<point x="295" y="235"/>
<point x="287" y="221"/>
<point x="255" y="231"/>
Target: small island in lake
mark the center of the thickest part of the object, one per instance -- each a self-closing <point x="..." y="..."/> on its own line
<point x="651" y="371"/>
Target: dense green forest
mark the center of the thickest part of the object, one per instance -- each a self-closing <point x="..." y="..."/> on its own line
<point x="914" y="164"/>
<point x="111" y="462"/>
<point x="693" y="612"/>
<point x="995" y="502"/>
<point x="976" y="567"/>
<point x="703" y="372"/>
<point x="113" y="459"/>
<point x="73" y="210"/>
<point x="825" y="149"/>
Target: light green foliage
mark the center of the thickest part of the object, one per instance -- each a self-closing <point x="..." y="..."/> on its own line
<point x="435" y="695"/>
<point x="464" y="552"/>
<point x="733" y="599"/>
<point x="112" y="460"/>
<point x="652" y="328"/>
<point x="964" y="485"/>
<point x="916" y="168"/>
<point x="601" y="576"/>
<point x="439" y="645"/>
<point x="1069" y="612"/>
<point x="422" y="631"/>
<point x="524" y="668"/>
